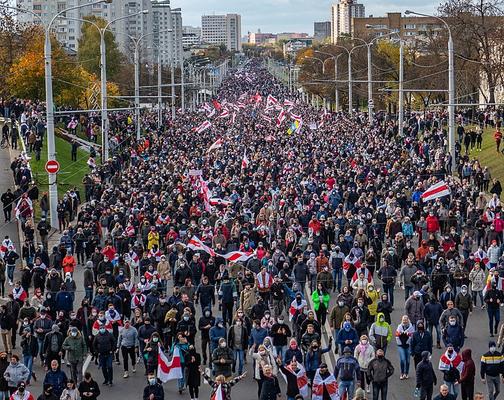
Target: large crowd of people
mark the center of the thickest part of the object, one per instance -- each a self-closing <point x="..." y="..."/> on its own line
<point x="260" y="230"/>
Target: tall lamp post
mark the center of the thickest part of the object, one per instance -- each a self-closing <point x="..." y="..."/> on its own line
<point x="451" y="85"/>
<point x="336" y="91"/>
<point x="51" y="144"/>
<point x="103" y="77"/>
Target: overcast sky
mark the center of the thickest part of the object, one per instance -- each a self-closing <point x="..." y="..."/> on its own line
<point x="287" y="15"/>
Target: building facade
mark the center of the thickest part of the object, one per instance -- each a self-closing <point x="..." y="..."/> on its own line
<point x="321" y="30"/>
<point x="68" y="31"/>
<point x="260" y="38"/>
<point x="342" y="15"/>
<point x="222" y="29"/>
<point x="408" y="27"/>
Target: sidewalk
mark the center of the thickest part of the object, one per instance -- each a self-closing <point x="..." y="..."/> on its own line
<point x="7" y="181"/>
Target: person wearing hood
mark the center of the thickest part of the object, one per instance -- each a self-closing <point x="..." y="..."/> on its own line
<point x="222" y="359"/>
<point x="372" y="299"/>
<point x="446" y="296"/>
<point x="347" y="371"/>
<point x="414" y="307"/>
<point x="336" y="317"/>
<point x="76" y="349"/>
<point x="380" y="333"/>
<point x="347" y="337"/>
<point x="491" y="369"/>
<point x="467" y="376"/>
<point x="216" y="332"/>
<point x="432" y="313"/>
<point x="52" y="345"/>
<point x="493" y="300"/>
<point x="464" y="303"/>
<point x="205" y="324"/>
<point x="89" y="280"/>
<point x="380" y="369"/>
<point x="425" y="377"/>
<point x="228" y="295"/>
<point x="421" y="341"/>
<point x="321" y="298"/>
<point x="385" y="307"/>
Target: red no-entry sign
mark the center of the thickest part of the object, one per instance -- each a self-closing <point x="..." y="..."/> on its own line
<point x="52" y="166"/>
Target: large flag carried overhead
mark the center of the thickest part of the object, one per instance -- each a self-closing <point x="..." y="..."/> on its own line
<point x="197" y="245"/>
<point x="169" y="370"/>
<point x="216" y="145"/>
<point x="436" y="191"/>
<point x="236" y="256"/>
<point x="280" y="118"/>
<point x="245" y="161"/>
<point x="203" y="127"/>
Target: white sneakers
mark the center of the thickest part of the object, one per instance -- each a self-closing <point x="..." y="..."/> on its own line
<point x="125" y="375"/>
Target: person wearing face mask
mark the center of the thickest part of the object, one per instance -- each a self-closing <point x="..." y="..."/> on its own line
<point x="238" y="339"/>
<point x="421" y="341"/>
<point x="425" y="377"/>
<point x="222" y="359"/>
<point x="215" y="333"/>
<point x="379" y="371"/>
<point x="76" y="349"/>
<point x="336" y="317"/>
<point x="451" y="365"/>
<point x="280" y="333"/>
<point x="21" y="393"/>
<point x="30" y="350"/>
<point x="447" y="296"/>
<point x="104" y="345"/>
<point x="477" y="277"/>
<point x="347" y="337"/>
<point x="360" y="316"/>
<point x="187" y="325"/>
<point x="463" y="301"/>
<point x="151" y="352"/>
<point x="491" y="369"/>
<point x="293" y="352"/>
<point x="364" y="353"/>
<point x="154" y="390"/>
<point x="321" y="298"/>
<point x="467" y="376"/>
<point x="205" y="323"/>
<point x="52" y="345"/>
<point x="380" y="333"/>
<point x="414" y="307"/>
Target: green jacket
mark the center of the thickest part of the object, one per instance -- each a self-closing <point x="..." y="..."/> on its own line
<point x="380" y="333"/>
<point x="316" y="300"/>
<point x="75" y="348"/>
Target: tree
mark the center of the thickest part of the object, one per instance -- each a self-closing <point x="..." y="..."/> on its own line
<point x="89" y="49"/>
<point x="479" y="36"/>
<point x="26" y="77"/>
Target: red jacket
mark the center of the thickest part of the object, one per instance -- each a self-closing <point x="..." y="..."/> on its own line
<point x="432" y="223"/>
<point x="469" y="371"/>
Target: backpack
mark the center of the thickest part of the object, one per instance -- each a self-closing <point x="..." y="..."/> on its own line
<point x="347" y="370"/>
<point x="54" y="347"/>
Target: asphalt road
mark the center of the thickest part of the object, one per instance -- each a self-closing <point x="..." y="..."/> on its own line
<point x="132" y="387"/>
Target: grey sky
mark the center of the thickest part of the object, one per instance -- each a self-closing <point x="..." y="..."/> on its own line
<point x="287" y="15"/>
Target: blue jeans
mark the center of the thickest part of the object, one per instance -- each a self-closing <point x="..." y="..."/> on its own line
<point x="181" y="383"/>
<point x="4" y="395"/>
<point x="238" y="356"/>
<point x="404" y="357"/>
<point x="106" y="366"/>
<point x="40" y="342"/>
<point x="408" y="291"/>
<point x="10" y="272"/>
<point x="388" y="289"/>
<point x="28" y="362"/>
<point x="89" y="294"/>
<point x="452" y="388"/>
<point x="337" y="274"/>
<point x="493" y="319"/>
<point x="346" y="387"/>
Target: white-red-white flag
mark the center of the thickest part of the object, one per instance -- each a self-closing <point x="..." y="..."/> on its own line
<point x="235" y="256"/>
<point x="280" y="118"/>
<point x="216" y="145"/>
<point x="218" y="394"/>
<point x="266" y="118"/>
<point x="224" y="113"/>
<point x="203" y="127"/>
<point x="217" y="201"/>
<point x="436" y="191"/>
<point x="271" y="101"/>
<point x="233" y="118"/>
<point x="245" y="161"/>
<point x="288" y="103"/>
<point x="197" y="245"/>
<point x="169" y="369"/>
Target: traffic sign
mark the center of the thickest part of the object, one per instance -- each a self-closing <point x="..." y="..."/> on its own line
<point x="52" y="166"/>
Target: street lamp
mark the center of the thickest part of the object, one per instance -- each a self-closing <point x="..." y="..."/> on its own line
<point x="51" y="144"/>
<point x="336" y="91"/>
<point x="451" y="85"/>
<point x="103" y="77"/>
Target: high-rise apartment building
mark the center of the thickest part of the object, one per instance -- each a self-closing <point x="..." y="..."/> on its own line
<point x="321" y="30"/>
<point x="159" y="18"/>
<point x="342" y="15"/>
<point x="222" y="29"/>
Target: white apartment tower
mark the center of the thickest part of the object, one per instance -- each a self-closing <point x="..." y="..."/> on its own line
<point x="341" y="17"/>
<point x="159" y="18"/>
<point x="170" y="43"/>
<point x="222" y="29"/>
